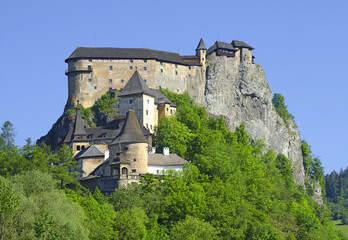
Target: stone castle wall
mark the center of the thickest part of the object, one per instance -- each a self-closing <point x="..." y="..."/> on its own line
<point x="89" y="79"/>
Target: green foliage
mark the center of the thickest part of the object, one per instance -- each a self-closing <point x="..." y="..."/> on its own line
<point x="193" y="229"/>
<point x="284" y="166"/>
<point x="281" y="108"/>
<point x="105" y="104"/>
<point x="8" y="134"/>
<point x="313" y="169"/>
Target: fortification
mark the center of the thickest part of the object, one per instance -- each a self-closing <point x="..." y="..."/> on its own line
<point x="93" y="71"/>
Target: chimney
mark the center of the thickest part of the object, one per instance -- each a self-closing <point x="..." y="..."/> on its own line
<point x="166" y="151"/>
<point x="152" y="150"/>
<point x="106" y="154"/>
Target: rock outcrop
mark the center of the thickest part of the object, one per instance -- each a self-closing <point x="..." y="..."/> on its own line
<point x="239" y="92"/>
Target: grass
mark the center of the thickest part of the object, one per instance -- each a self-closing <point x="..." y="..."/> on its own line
<point x="342" y="228"/>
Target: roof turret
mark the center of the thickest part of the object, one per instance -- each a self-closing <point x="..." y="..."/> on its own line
<point x="135" y="85"/>
<point x="79" y="128"/>
<point x="201" y="45"/>
<point x="131" y="131"/>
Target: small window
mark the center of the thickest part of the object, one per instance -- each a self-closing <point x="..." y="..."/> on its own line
<point x="177" y="90"/>
<point x="130" y="101"/>
<point x="95" y="87"/>
<point x="160" y="87"/>
<point x="134" y="160"/>
<point x="134" y="170"/>
<point x="202" y="59"/>
<point x="122" y="81"/>
<point x="161" y="70"/>
<point x="83" y="148"/>
<point x="176" y="72"/>
<point x="171" y="111"/>
<point x="89" y="68"/>
<point x="148" y="101"/>
<point x="126" y="148"/>
<point x="147" y="125"/>
<point x="167" y="109"/>
<point x="189" y="75"/>
<point x="189" y="68"/>
<point x="145" y="80"/>
<point x="110" y="81"/>
<point x="147" y="112"/>
<point x="145" y="68"/>
<point x="131" y="60"/>
<point x="176" y="65"/>
<point x="110" y="68"/>
<point x="130" y="67"/>
<point x="90" y="80"/>
<point x="145" y="61"/>
<point x="117" y="154"/>
<point x="150" y="126"/>
<point x="78" y="148"/>
<point x="89" y="60"/>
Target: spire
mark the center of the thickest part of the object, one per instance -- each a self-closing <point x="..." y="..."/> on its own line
<point x="135" y="85"/>
<point x="131" y="131"/>
<point x="79" y="123"/>
<point x="201" y="45"/>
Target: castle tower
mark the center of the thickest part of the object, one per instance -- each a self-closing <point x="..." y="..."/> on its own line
<point x="79" y="141"/>
<point x="137" y="96"/>
<point x="128" y="152"/>
<point x="201" y="53"/>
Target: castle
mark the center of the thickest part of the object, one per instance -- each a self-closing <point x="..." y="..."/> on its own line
<point x="93" y="71"/>
<point x="112" y="156"/>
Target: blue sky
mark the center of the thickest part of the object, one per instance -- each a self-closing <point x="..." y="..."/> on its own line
<point x="302" y="46"/>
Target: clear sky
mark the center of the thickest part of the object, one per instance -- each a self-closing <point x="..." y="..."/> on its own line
<point x="302" y="46"/>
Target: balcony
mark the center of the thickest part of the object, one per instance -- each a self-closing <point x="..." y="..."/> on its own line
<point x="69" y="71"/>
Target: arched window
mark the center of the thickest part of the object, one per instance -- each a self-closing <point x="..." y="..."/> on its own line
<point x="83" y="148"/>
<point x="124" y="171"/>
<point x="115" y="172"/>
<point x="78" y="148"/>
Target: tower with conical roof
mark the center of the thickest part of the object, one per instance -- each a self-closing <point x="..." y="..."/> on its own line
<point x="137" y="96"/>
<point x="79" y="140"/>
<point x="201" y="53"/>
<point x="128" y="152"/>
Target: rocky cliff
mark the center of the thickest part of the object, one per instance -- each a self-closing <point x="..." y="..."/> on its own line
<point x="240" y="93"/>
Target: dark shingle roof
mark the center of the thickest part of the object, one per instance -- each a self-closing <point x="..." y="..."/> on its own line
<point x="96" y="134"/>
<point x="90" y="152"/>
<point x="125" y="53"/>
<point x="160" y="98"/>
<point x="162" y="160"/>
<point x="221" y="45"/>
<point x="241" y="44"/>
<point x="135" y="85"/>
<point x="201" y="45"/>
<point x="79" y="128"/>
<point x="131" y="131"/>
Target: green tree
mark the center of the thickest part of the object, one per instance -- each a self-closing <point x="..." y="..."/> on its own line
<point x="281" y="108"/>
<point x="8" y="134"/>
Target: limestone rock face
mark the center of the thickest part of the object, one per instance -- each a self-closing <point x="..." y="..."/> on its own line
<point x="239" y="92"/>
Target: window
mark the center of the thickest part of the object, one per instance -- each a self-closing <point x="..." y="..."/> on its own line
<point x="150" y="126"/>
<point x="145" y="61"/>
<point x="78" y="148"/>
<point x="161" y="70"/>
<point x="124" y="171"/>
<point x="90" y="80"/>
<point x="95" y="87"/>
<point x="134" y="160"/>
<point x="167" y="109"/>
<point x="130" y="67"/>
<point x="122" y="81"/>
<point x="147" y="125"/>
<point x="110" y="68"/>
<point x="147" y="112"/>
<point x="89" y="60"/>
<point x="83" y="148"/>
<point x="145" y="80"/>
<point x="134" y="170"/>
<point x="171" y="111"/>
<point x="145" y="68"/>
<point x="176" y="72"/>
<point x="189" y="75"/>
<point x="202" y="59"/>
<point x="117" y="154"/>
<point x="131" y="60"/>
<point x="126" y="148"/>
<point x="110" y="81"/>
<point x="189" y="68"/>
<point x="148" y="101"/>
<point x="130" y="101"/>
<point x="177" y="90"/>
<point x="89" y="68"/>
<point x="176" y="65"/>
